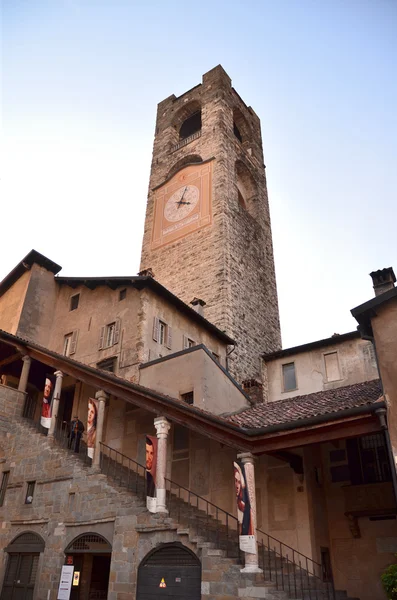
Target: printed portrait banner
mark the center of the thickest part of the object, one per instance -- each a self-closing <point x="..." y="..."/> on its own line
<point x="46" y="405"/>
<point x="151" y="464"/>
<point x="92" y="418"/>
<point x="247" y="540"/>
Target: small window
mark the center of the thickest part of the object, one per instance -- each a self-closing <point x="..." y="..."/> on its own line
<point x="216" y="356"/>
<point x="108" y="365"/>
<point x="122" y="294"/>
<point x="4" y="483"/>
<point x="188" y="397"/>
<point x="109" y="335"/>
<point x="332" y="372"/>
<point x="289" y="377"/>
<point x="70" y="343"/>
<point x="162" y="333"/>
<point x="188" y="342"/>
<point x="30" y="492"/>
<point x="74" y="302"/>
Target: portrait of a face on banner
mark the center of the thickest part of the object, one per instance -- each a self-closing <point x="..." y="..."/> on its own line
<point x="92" y="417"/>
<point x="46" y="406"/>
<point x="244" y="514"/>
<point x="151" y="463"/>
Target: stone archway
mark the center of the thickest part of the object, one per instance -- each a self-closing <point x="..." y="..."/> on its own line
<point x="90" y="553"/>
<point x="22" y="566"/>
<point x="169" y="571"/>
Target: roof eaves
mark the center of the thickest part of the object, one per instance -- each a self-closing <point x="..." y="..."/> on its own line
<point x="335" y="339"/>
<point x="33" y="257"/>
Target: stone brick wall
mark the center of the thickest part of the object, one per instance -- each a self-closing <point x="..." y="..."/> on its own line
<point x="230" y="263"/>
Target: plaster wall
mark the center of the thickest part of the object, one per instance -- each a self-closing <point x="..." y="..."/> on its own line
<point x="195" y="371"/>
<point x="356" y="364"/>
<point x="154" y="306"/>
<point x="384" y="326"/>
<point x="11" y="304"/>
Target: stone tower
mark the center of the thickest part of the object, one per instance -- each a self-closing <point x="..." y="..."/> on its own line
<point x="207" y="231"/>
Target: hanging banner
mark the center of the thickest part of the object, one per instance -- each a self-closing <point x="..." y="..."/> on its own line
<point x="92" y="419"/>
<point x="151" y="464"/>
<point x="247" y="540"/>
<point x="46" y="406"/>
<point x="65" y="585"/>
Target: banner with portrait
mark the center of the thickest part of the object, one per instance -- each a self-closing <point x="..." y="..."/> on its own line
<point x="247" y="540"/>
<point x="92" y="419"/>
<point x="46" y="405"/>
<point x="151" y="464"/>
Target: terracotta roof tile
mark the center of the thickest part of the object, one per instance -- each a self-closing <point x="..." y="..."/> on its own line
<point x="310" y="405"/>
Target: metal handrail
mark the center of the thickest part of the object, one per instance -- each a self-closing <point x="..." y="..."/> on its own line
<point x="123" y="469"/>
<point x="292" y="571"/>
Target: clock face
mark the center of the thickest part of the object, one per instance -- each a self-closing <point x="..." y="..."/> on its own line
<point x="181" y="203"/>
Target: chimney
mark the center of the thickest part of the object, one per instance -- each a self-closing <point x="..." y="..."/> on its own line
<point x="254" y="389"/>
<point x="198" y="305"/>
<point x="383" y="280"/>
<point x="146" y="273"/>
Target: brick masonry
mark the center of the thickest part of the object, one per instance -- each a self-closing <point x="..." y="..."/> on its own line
<point x="229" y="264"/>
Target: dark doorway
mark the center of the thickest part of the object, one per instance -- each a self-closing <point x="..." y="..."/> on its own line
<point x="66" y="404"/>
<point x="91" y="555"/>
<point x="169" y="571"/>
<point x="22" y="565"/>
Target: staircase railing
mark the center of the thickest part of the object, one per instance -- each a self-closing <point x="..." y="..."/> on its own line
<point x="124" y="470"/>
<point x="208" y="521"/>
<point x="292" y="571"/>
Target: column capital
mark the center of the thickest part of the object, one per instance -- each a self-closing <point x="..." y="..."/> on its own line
<point x="162" y="427"/>
<point x="246" y="457"/>
<point x="26" y="358"/>
<point x="101" y="396"/>
<point x="58" y="374"/>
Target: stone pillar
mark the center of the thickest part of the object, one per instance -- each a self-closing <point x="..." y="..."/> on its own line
<point x="251" y="560"/>
<point x="55" y="403"/>
<point x="101" y="396"/>
<point x="162" y="428"/>
<point x="23" y="380"/>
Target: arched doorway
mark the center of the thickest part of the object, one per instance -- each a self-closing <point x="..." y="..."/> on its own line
<point x="22" y="564"/>
<point x="169" y="571"/>
<point x="90" y="554"/>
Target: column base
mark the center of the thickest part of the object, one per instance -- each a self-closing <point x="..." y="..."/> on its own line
<point x="251" y="569"/>
<point x="162" y="509"/>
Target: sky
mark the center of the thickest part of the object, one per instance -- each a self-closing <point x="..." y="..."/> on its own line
<point x="80" y="83"/>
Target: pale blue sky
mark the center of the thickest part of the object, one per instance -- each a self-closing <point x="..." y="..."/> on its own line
<point x="81" y="81"/>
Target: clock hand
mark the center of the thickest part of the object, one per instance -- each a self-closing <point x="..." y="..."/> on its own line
<point x="181" y="198"/>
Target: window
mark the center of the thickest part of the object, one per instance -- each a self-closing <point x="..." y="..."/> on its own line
<point x="70" y="343"/>
<point x="162" y="333"/>
<point x="216" y="356"/>
<point x="74" y="302"/>
<point x="237" y="133"/>
<point x="109" y="335"/>
<point x="4" y="483"/>
<point x="190" y="126"/>
<point x="188" y="342"/>
<point x="332" y="372"/>
<point x="108" y="365"/>
<point x="122" y="294"/>
<point x="30" y="492"/>
<point x="289" y="377"/>
<point x="188" y="397"/>
<point x="368" y="459"/>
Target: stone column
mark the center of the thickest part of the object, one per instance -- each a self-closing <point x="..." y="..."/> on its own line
<point x="23" y="380"/>
<point x="101" y="396"/>
<point x="162" y="428"/>
<point x="55" y="404"/>
<point x="251" y="560"/>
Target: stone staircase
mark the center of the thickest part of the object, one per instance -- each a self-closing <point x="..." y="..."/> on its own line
<point x="208" y="536"/>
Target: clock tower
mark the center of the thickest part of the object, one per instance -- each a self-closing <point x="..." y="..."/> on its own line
<point x="207" y="229"/>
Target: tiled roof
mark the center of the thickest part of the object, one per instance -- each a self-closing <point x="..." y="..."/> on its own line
<point x="310" y="405"/>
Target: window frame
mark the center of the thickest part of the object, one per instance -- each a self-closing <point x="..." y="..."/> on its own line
<point x="3" y="486"/>
<point x="72" y="300"/>
<point x="284" y="390"/>
<point x="327" y="380"/>
<point x="31" y="485"/>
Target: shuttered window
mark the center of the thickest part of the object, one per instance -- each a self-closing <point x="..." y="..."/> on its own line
<point x="188" y="342"/>
<point x="70" y="343"/>
<point x="162" y="333"/>
<point x="110" y="334"/>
